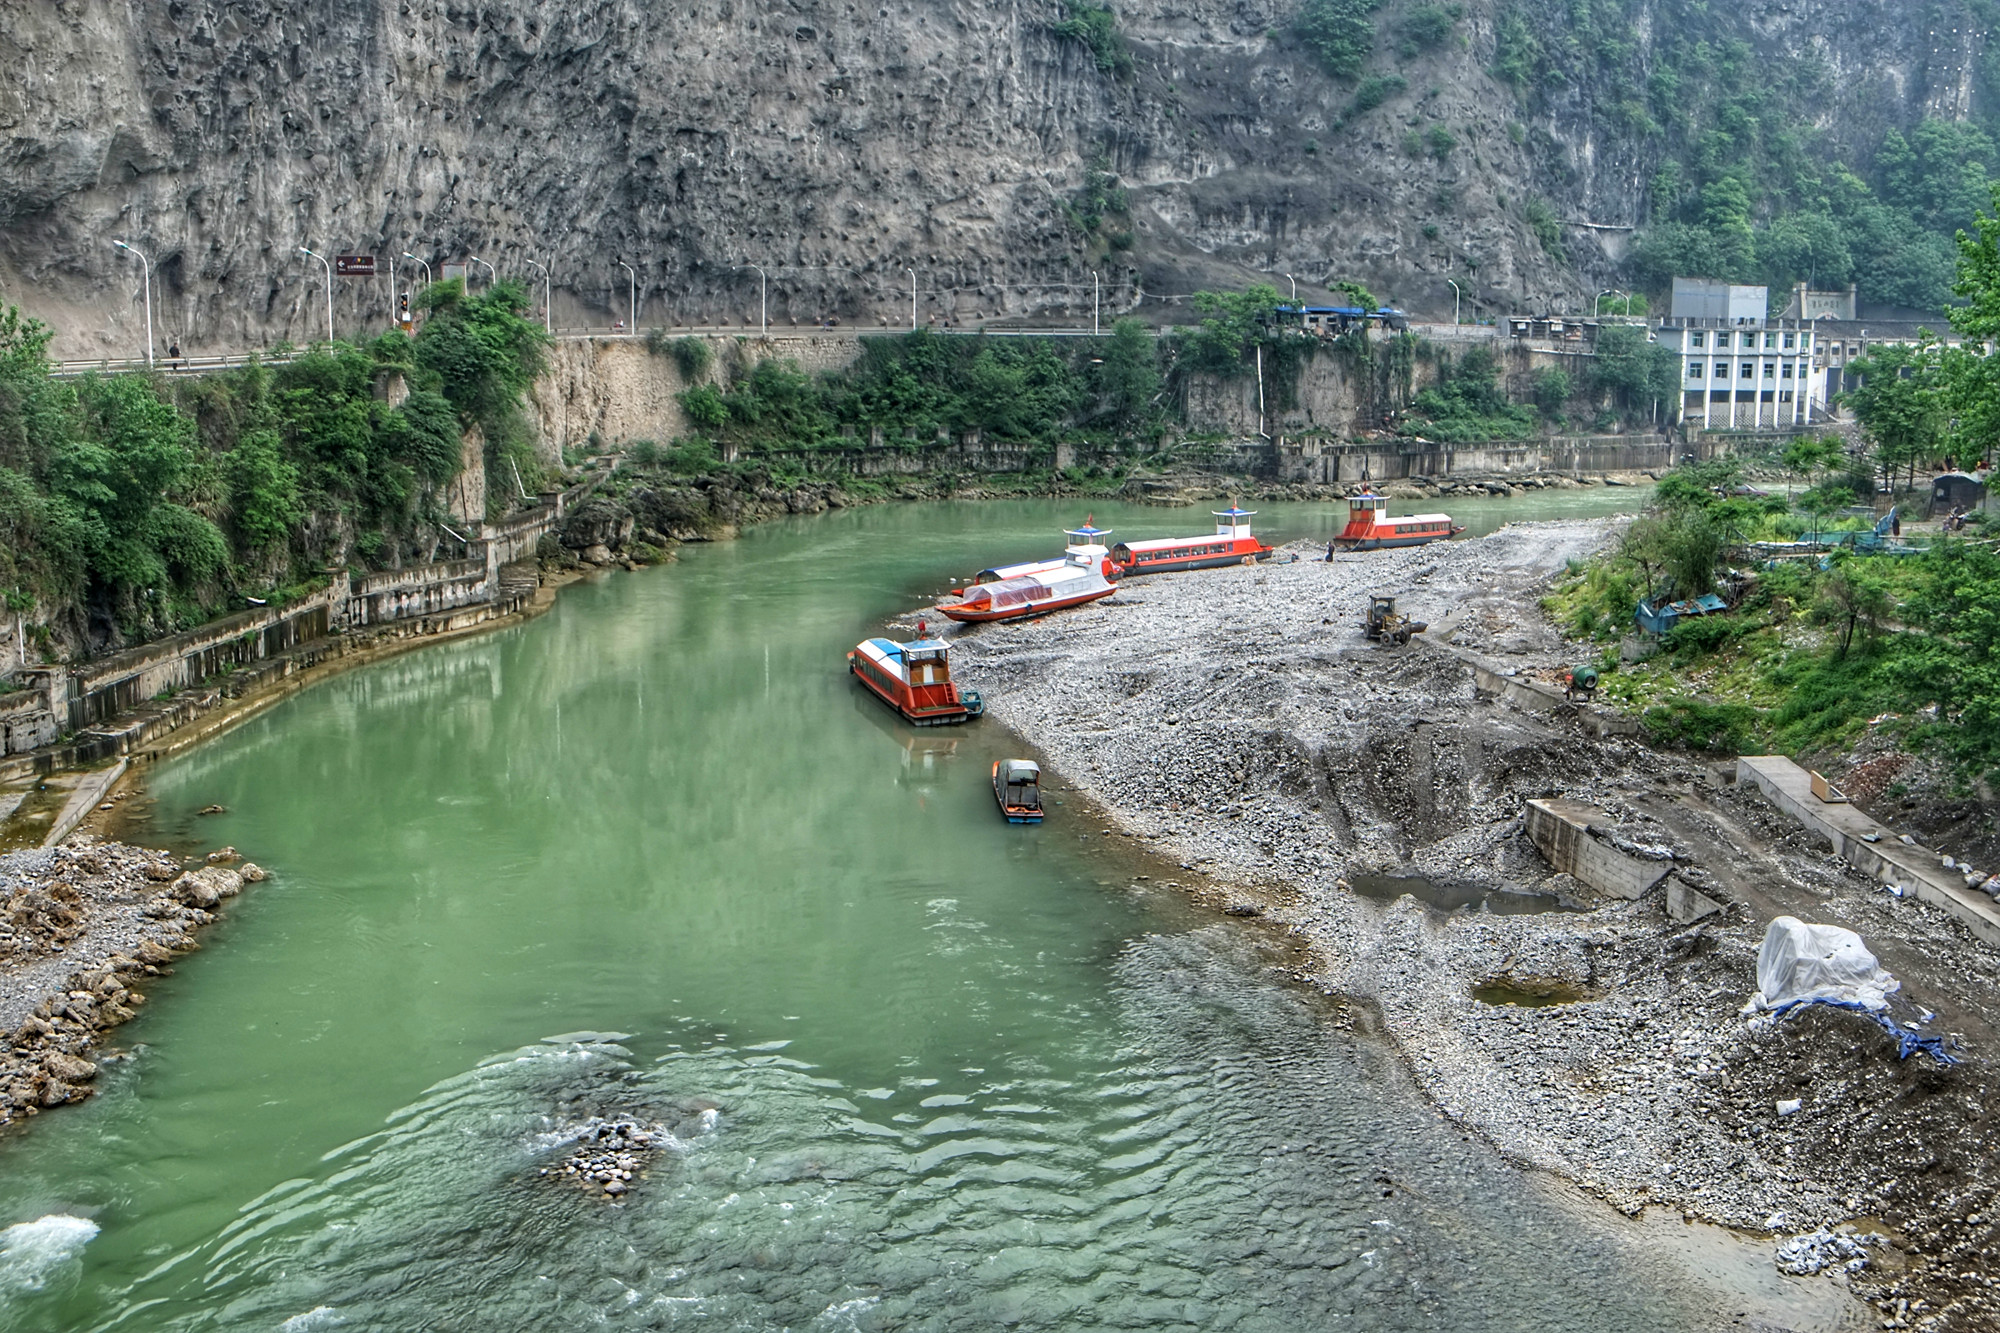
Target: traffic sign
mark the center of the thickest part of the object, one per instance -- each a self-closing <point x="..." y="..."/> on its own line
<point x="354" y="266"/>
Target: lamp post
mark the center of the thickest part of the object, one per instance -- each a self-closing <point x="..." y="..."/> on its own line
<point x="420" y="264"/>
<point x="1455" y="295"/>
<point x="329" y="287"/>
<point x="1295" y="288"/>
<point x="763" y="300"/>
<point x="633" y="276"/>
<point x="492" y="274"/>
<point x="146" y="267"/>
<point x="1095" y="285"/>
<point x="913" y="298"/>
<point x="1597" y="305"/>
<point x="548" y="313"/>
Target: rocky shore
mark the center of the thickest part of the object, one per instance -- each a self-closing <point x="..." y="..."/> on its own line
<point x="82" y="927"/>
<point x="1238" y="722"/>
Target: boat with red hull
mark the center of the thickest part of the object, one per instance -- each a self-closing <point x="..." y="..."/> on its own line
<point x="1231" y="544"/>
<point x="1076" y="581"/>
<point x="915" y="680"/>
<point x="1369" y="527"/>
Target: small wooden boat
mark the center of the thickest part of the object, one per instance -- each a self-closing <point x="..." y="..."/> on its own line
<point x="1017" y="786"/>
<point x="1071" y="584"/>
<point x="1086" y="545"/>
<point x="1370" y="528"/>
<point x="915" y="680"/>
<point x="1232" y="544"/>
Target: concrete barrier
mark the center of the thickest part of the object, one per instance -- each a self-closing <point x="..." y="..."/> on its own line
<point x="1560" y="831"/>
<point x="1916" y="870"/>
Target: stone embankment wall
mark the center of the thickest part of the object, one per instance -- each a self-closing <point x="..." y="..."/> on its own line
<point x="116" y="704"/>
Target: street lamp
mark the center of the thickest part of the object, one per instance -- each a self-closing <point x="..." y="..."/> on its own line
<point x="1094" y="286"/>
<point x="1598" y="305"/>
<point x="1455" y="294"/>
<point x="146" y="266"/>
<point x="420" y="264"/>
<point x="548" y="313"/>
<point x="492" y="274"/>
<point x="634" y="282"/>
<point x="1295" y="288"/>
<point x="763" y="300"/>
<point x="913" y="298"/>
<point x="329" y="287"/>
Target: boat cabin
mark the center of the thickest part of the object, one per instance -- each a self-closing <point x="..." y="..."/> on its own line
<point x="1017" y="787"/>
<point x="1086" y="547"/>
<point x="1369" y="525"/>
<point x="914" y="679"/>
<point x="1231" y="544"/>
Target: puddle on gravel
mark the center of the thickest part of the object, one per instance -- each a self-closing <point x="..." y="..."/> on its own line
<point x="1453" y="898"/>
<point x="1526" y="992"/>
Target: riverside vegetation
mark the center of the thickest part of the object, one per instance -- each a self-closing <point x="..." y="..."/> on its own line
<point x="133" y="506"/>
<point x="1811" y="657"/>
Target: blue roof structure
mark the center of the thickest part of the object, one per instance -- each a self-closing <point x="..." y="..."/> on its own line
<point x="1232" y="512"/>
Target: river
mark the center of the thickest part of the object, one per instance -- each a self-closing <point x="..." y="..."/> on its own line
<point x="653" y="854"/>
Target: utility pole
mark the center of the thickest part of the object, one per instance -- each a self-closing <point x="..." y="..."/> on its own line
<point x="548" y="316"/>
<point x="913" y="298"/>
<point x="329" y="287"/>
<point x="146" y="266"/>
<point x="1095" y="331"/>
<point x="633" y="276"/>
<point x="763" y="301"/>
<point x="1454" y="301"/>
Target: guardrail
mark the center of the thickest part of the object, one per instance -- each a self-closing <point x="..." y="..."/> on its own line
<point x="186" y="365"/>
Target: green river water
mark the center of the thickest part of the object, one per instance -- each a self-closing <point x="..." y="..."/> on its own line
<point x="654" y="854"/>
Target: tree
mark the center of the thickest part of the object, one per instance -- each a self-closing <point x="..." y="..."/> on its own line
<point x="1636" y="373"/>
<point x="1853" y="595"/>
<point x="1127" y="381"/>
<point x="1900" y="402"/>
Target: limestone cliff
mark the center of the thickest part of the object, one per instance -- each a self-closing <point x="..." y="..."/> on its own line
<point x="837" y="144"/>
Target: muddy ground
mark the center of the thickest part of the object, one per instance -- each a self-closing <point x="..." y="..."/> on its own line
<point x="1238" y="721"/>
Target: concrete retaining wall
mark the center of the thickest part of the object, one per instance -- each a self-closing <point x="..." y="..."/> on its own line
<point x="1560" y="831"/>
<point x="1916" y="870"/>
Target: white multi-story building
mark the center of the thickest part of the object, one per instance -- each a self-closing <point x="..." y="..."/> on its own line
<point x="1739" y="369"/>
<point x="1756" y="374"/>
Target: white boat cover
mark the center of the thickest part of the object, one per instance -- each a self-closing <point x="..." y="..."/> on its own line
<point x="1801" y="962"/>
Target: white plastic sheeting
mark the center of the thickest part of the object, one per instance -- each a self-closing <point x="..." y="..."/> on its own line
<point x="1801" y="962"/>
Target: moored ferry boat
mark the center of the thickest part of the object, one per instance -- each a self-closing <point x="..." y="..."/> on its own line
<point x="1085" y="543"/>
<point x="1231" y="544"/>
<point x="1370" y="528"/>
<point x="915" y="680"/>
<point x="1070" y="584"/>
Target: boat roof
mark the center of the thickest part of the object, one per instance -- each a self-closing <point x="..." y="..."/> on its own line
<point x="890" y="648"/>
<point x="1232" y="512"/>
<point x="1162" y="543"/>
<point x="1419" y="518"/>
<point x="1087" y="531"/>
<point x="1019" y="770"/>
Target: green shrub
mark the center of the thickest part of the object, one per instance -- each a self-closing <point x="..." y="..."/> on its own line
<point x="1373" y="92"/>
<point x="1340" y="32"/>
<point x="1096" y="27"/>
<point x="1730" y="728"/>
<point x="1541" y="220"/>
<point x="1426" y="27"/>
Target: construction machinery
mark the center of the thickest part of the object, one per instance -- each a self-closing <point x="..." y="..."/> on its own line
<point x="1386" y="622"/>
<point x="1582" y="684"/>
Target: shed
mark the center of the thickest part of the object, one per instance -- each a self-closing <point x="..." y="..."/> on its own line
<point x="1956" y="490"/>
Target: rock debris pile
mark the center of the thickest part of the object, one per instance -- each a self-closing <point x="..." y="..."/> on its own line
<point x="1236" y="722"/>
<point x="610" y="1155"/>
<point x="81" y="927"/>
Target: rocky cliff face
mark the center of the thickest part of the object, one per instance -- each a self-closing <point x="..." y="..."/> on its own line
<point x="839" y="145"/>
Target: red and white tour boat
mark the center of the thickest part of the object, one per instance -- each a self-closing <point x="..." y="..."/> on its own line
<point x="1085" y="543"/>
<point x="1232" y="544"/>
<point x="915" y="680"/>
<point x="1077" y="580"/>
<point x="1370" y="528"/>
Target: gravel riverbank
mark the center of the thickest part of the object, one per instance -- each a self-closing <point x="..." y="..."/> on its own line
<point x="82" y="927"/>
<point x="1238" y="722"/>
